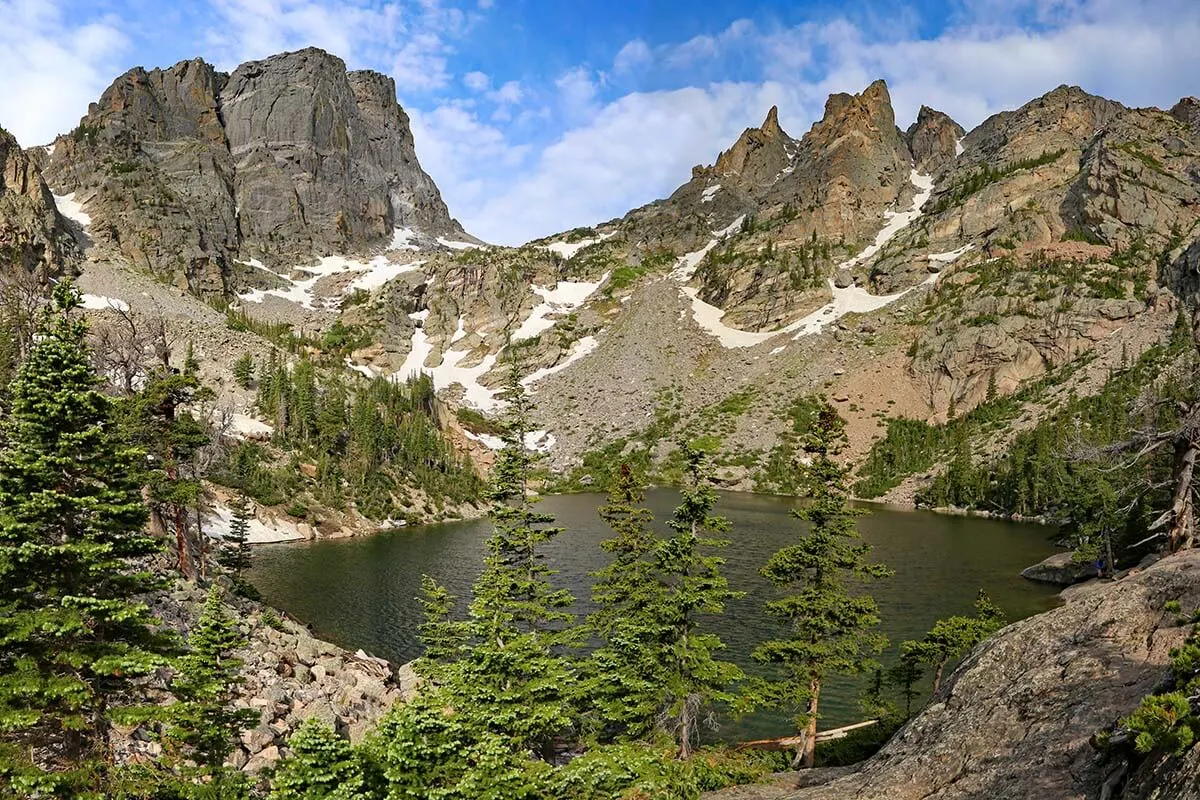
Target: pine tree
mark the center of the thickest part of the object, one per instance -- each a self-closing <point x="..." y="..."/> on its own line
<point x="190" y="365"/>
<point x="829" y="626"/>
<point x="952" y="637"/>
<point x="203" y="724"/>
<point x="517" y="618"/>
<point x="243" y="371"/>
<point x="693" y="679"/>
<point x="624" y="686"/>
<point x="236" y="556"/>
<point x="322" y="767"/>
<point x="72" y="558"/>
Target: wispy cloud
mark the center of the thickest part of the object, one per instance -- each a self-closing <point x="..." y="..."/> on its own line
<point x="52" y="67"/>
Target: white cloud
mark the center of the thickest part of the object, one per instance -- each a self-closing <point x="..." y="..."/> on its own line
<point x="636" y="54"/>
<point x="476" y="81"/>
<point x="614" y="154"/>
<point x="52" y="67"/>
<point x="409" y="40"/>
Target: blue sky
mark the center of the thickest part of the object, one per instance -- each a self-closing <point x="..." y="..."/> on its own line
<point x="535" y="116"/>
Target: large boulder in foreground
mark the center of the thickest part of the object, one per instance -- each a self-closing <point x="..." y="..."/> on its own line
<point x="1014" y="719"/>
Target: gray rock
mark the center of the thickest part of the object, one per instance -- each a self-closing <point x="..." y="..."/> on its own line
<point x="1059" y="569"/>
<point x="32" y="233"/>
<point x="1015" y="719"/>
<point x="843" y="278"/>
<point x="256" y="739"/>
<point x="264" y="760"/>
<point x="284" y="159"/>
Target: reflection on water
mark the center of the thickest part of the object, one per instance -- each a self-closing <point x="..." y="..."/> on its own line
<point x="361" y="592"/>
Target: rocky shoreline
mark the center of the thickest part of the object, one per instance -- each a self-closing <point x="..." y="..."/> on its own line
<point x="289" y="676"/>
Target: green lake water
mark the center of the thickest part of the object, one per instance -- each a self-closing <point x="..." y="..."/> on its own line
<point x="360" y="593"/>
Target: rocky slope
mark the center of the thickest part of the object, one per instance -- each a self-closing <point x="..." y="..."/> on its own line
<point x="900" y="272"/>
<point x="192" y="173"/>
<point x="1012" y="722"/>
<point x="34" y="237"/>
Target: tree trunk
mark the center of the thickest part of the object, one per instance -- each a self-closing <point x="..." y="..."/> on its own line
<point x="810" y="731"/>
<point x="1183" y="522"/>
<point x="937" y="676"/>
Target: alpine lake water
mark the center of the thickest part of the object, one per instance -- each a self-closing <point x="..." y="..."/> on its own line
<point x="361" y="592"/>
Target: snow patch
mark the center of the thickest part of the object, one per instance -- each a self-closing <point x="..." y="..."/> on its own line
<point x="457" y="245"/>
<point x="219" y="521"/>
<point x="565" y="297"/>
<point x="707" y="195"/>
<point x="376" y="273"/>
<point x="581" y="348"/>
<point x="414" y="363"/>
<point x="851" y="300"/>
<point x="402" y="239"/>
<point x="243" y="426"/>
<point x="896" y="221"/>
<point x="685" y="268"/>
<point x="98" y="302"/>
<point x="72" y="209"/>
<point x="460" y="332"/>
<point x="569" y="249"/>
<point x="486" y="439"/>
<point x="958" y="148"/>
<point x="449" y="372"/>
<point x="362" y="369"/>
<point x="379" y="272"/>
<point x="952" y="255"/>
<point x="539" y="441"/>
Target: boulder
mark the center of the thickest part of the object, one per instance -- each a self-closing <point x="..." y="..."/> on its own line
<point x="843" y="278"/>
<point x="1016" y="718"/>
<point x="1060" y="569"/>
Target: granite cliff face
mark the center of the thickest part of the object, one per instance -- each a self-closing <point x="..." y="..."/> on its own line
<point x="933" y="140"/>
<point x="33" y="236"/>
<point x="1015" y="720"/>
<point x="189" y="171"/>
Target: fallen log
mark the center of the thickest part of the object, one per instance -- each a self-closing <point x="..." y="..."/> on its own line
<point x="792" y="742"/>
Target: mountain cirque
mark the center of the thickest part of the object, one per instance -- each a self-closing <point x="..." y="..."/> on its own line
<point x="933" y="261"/>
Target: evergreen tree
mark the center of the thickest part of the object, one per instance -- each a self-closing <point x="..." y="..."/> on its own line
<point x="952" y="637"/>
<point x="243" y="371"/>
<point x="443" y="637"/>
<point x="624" y="685"/>
<point x="692" y="677"/>
<point x="829" y="626"/>
<point x="322" y="767"/>
<point x="157" y="420"/>
<point x="203" y="724"/>
<point x="72" y="555"/>
<point x="190" y="365"/>
<point x="236" y="556"/>
<point x="517" y="618"/>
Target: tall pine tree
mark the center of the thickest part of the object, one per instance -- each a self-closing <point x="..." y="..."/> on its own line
<point x="693" y="679"/>
<point x="73" y="555"/>
<point x="624" y="681"/>
<point x="829" y="625"/>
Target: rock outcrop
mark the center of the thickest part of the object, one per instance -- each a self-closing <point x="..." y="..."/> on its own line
<point x="1015" y="719"/>
<point x="33" y="236"/>
<point x="933" y="139"/>
<point x="189" y="171"/>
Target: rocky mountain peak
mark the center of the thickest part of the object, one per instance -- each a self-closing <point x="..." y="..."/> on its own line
<point x="32" y="234"/>
<point x="872" y="109"/>
<point x="286" y="158"/>
<point x="758" y="154"/>
<point x="933" y="139"/>
<point x="770" y="126"/>
<point x="1187" y="111"/>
